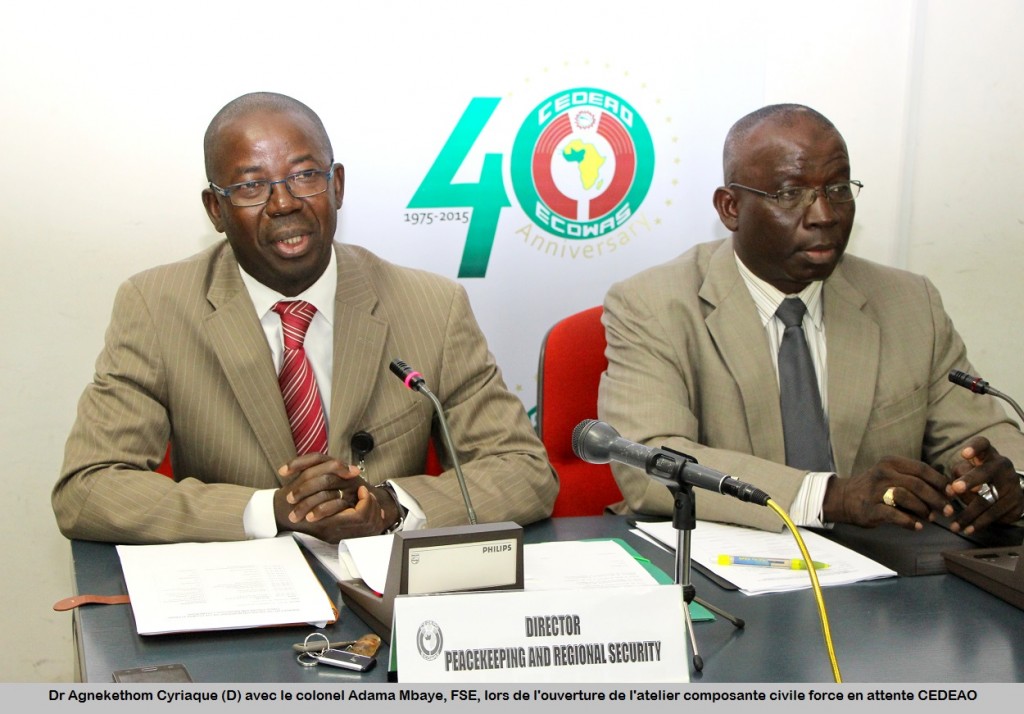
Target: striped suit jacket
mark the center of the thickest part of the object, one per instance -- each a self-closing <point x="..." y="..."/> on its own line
<point x="185" y="360"/>
<point x="689" y="368"/>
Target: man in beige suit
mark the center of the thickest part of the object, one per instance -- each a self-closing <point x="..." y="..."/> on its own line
<point x="193" y="352"/>
<point x="693" y="356"/>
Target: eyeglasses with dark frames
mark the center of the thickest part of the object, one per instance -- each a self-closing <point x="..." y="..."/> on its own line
<point x="301" y="184"/>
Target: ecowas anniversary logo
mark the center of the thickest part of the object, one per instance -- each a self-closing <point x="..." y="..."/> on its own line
<point x="581" y="166"/>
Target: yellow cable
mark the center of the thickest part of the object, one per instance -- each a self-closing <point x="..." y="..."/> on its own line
<point x="815" y="585"/>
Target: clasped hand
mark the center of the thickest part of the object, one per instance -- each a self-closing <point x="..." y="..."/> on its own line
<point x="329" y="499"/>
<point x="906" y="492"/>
<point x="982" y="465"/>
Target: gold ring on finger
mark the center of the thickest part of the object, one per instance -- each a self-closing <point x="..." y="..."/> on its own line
<point x="888" y="497"/>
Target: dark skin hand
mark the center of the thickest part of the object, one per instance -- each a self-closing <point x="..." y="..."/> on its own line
<point x="983" y="464"/>
<point x="329" y="499"/>
<point x="919" y="495"/>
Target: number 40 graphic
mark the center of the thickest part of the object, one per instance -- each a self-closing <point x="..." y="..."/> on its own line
<point x="486" y="197"/>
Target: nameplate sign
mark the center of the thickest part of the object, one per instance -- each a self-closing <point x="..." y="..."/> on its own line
<point x="487" y="556"/>
<point x="476" y="565"/>
<point x="629" y="634"/>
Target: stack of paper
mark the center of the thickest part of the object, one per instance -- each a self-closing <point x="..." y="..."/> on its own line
<point x="188" y="587"/>
<point x="710" y="540"/>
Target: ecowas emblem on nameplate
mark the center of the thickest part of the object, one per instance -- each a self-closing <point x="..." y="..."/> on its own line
<point x="429" y="640"/>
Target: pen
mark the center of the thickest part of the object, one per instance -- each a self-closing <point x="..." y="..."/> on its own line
<point x="784" y="563"/>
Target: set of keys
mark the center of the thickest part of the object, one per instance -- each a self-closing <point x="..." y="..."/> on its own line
<point x="357" y="655"/>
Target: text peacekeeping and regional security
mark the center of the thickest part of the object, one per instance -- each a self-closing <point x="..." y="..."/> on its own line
<point x="552" y="655"/>
<point x="557" y="655"/>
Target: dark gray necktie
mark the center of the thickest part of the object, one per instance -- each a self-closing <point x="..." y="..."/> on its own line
<point x="803" y="421"/>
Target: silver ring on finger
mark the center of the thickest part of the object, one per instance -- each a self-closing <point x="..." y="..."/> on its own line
<point x="988" y="492"/>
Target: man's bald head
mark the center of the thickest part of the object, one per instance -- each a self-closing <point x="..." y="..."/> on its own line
<point x="253" y="103"/>
<point x="783" y="115"/>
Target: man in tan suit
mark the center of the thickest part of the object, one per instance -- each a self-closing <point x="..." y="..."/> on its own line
<point x="693" y="356"/>
<point x="193" y="352"/>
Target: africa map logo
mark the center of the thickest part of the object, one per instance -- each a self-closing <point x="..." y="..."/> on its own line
<point x="582" y="163"/>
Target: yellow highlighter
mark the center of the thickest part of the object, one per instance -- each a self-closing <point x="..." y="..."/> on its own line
<point x="784" y="563"/>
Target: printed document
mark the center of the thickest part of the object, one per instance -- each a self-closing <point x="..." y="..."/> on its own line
<point x="709" y="540"/>
<point x="188" y="587"/>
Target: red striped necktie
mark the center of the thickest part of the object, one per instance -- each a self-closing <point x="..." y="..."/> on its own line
<point x="298" y="384"/>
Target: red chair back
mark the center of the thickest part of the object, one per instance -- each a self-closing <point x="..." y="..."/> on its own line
<point x="571" y="363"/>
<point x="434" y="467"/>
<point x="165" y="465"/>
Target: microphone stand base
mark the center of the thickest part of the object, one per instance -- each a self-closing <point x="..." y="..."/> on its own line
<point x="684" y="520"/>
<point x="737" y="622"/>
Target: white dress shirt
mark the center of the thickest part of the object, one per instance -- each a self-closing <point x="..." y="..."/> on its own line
<point x="258" y="519"/>
<point x="807" y="506"/>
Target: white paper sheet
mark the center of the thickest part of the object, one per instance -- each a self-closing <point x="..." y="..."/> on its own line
<point x="186" y="587"/>
<point x="569" y="565"/>
<point x="709" y="540"/>
<point x="370" y="557"/>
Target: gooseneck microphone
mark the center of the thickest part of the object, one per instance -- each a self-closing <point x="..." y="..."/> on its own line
<point x="414" y="381"/>
<point x="598" y="443"/>
<point x="980" y="386"/>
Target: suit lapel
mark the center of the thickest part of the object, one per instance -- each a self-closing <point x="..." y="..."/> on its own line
<point x="737" y="331"/>
<point x="359" y="339"/>
<point x="238" y="340"/>
<point x="853" y="340"/>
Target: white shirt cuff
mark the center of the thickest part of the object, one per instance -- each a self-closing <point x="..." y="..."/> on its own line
<point x="807" y="507"/>
<point x="415" y="519"/>
<point x="258" y="518"/>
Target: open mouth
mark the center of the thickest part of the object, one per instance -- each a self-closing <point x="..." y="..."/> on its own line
<point x="291" y="246"/>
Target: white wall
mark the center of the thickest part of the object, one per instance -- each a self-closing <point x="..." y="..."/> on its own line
<point x="966" y="193"/>
<point x="104" y="106"/>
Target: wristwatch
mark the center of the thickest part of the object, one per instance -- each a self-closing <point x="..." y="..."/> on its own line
<point x="397" y="525"/>
<point x="1020" y="477"/>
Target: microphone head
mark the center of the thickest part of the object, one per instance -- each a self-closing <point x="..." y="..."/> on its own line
<point x="400" y="369"/>
<point x="413" y="379"/>
<point x="592" y="439"/>
<point x="967" y="381"/>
